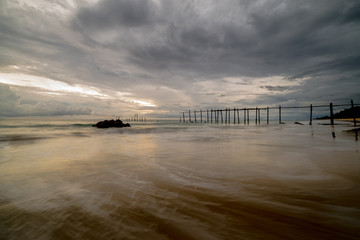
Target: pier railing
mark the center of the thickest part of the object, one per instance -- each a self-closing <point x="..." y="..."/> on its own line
<point x="232" y="115"/>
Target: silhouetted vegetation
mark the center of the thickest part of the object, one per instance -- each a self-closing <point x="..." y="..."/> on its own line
<point x="347" y="113"/>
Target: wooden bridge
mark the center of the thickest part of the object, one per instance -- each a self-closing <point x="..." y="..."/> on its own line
<point x="232" y="115"/>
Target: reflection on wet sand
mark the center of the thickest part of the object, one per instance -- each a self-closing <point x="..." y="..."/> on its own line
<point x="183" y="183"/>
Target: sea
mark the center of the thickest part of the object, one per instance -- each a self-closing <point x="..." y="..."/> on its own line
<point x="64" y="179"/>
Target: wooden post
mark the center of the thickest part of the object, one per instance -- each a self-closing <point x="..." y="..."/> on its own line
<point x="189" y="117"/>
<point x="183" y="117"/>
<point x="279" y="114"/>
<point x="207" y="115"/>
<point x="234" y="115"/>
<point x="331" y="114"/>
<point x="225" y="115"/>
<point x="311" y="110"/>
<point x="200" y="115"/>
<point x="256" y="116"/>
<point x="195" y="115"/>
<point x="211" y="115"/>
<point x="238" y="116"/>
<point x="229" y="115"/>
<point x="353" y="112"/>
<point x="244" y="116"/>
<point x="267" y="115"/>
<point x="248" y="118"/>
<point x="229" y="120"/>
<point x="222" y="120"/>
<point x="259" y="116"/>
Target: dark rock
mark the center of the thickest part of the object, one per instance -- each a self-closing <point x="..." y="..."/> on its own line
<point x="111" y="123"/>
<point x="299" y="123"/>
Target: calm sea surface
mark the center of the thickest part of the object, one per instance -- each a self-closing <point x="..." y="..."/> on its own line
<point x="63" y="179"/>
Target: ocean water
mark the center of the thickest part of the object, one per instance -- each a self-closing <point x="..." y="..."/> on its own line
<point x="63" y="179"/>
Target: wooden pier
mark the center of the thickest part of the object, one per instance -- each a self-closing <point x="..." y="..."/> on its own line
<point x="136" y="118"/>
<point x="232" y="115"/>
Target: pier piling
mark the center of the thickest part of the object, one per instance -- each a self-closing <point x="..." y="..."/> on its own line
<point x="225" y="115"/>
<point x="331" y="114"/>
<point x="244" y="116"/>
<point x="238" y="116"/>
<point x="259" y="117"/>
<point x="217" y="115"/>
<point x="234" y="115"/>
<point x="229" y="120"/>
<point x="248" y="118"/>
<point x="353" y="111"/>
<point x="256" y="116"/>
<point x="279" y="114"/>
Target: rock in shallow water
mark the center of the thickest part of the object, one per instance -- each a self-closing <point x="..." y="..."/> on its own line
<point x="111" y="123"/>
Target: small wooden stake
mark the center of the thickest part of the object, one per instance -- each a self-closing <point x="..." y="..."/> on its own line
<point x="244" y="116"/>
<point x="279" y="114"/>
<point x="248" y="118"/>
<point x="238" y="116"/>
<point x="225" y="115"/>
<point x="234" y="115"/>
<point x="256" y="116"/>
<point x="331" y="114"/>
<point x="259" y="116"/>
<point x="353" y="112"/>
<point x="229" y="116"/>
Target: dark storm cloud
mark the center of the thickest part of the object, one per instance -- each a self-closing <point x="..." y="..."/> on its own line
<point x="276" y="88"/>
<point x="342" y="65"/>
<point x="273" y="38"/>
<point x="109" y="13"/>
<point x="189" y="48"/>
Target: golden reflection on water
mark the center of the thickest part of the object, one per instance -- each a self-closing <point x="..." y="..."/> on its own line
<point x="207" y="183"/>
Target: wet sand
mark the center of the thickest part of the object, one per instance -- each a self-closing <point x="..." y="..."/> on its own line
<point x="180" y="182"/>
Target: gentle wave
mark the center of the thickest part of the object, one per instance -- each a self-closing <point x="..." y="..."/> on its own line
<point x="79" y="125"/>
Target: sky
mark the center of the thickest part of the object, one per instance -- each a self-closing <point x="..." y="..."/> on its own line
<point x="157" y="58"/>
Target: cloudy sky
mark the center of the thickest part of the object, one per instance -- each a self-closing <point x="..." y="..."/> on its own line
<point x="159" y="57"/>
